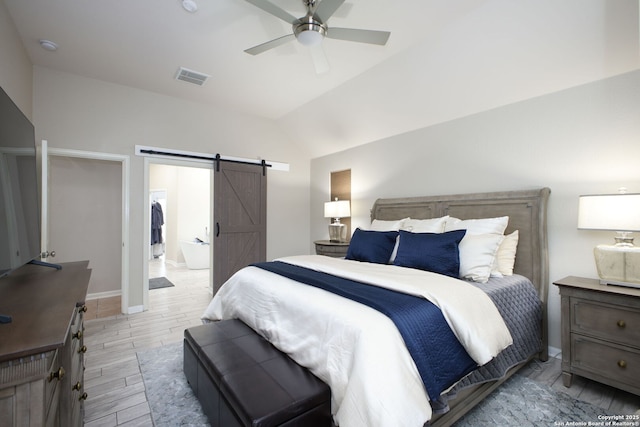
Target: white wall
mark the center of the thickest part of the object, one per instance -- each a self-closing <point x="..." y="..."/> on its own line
<point x="494" y="53"/>
<point x="194" y="209"/>
<point x="85" y="114"/>
<point x="578" y="141"/>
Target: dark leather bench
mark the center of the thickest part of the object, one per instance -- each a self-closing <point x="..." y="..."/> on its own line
<point x="240" y="379"/>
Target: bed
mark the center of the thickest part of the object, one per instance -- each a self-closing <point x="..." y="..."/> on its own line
<point x="360" y="353"/>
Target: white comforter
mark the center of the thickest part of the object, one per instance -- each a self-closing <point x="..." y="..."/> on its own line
<point x="355" y="349"/>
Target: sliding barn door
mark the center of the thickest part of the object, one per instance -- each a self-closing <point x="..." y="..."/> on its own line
<point x="240" y="217"/>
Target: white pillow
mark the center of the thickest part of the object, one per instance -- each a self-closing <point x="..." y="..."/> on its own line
<point x="383" y="225"/>
<point x="506" y="255"/>
<point x="477" y="255"/>
<point x="478" y="226"/>
<point x="433" y="225"/>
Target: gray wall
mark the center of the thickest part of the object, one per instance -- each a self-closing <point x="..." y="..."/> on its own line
<point x="85" y="199"/>
<point x="582" y="140"/>
<point x="15" y="66"/>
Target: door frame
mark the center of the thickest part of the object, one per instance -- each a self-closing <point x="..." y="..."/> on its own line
<point x="189" y="163"/>
<point x="124" y="160"/>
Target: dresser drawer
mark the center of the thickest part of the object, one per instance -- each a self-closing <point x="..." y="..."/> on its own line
<point x="606" y="360"/>
<point x="52" y="419"/>
<point x="71" y="401"/>
<point x="51" y="382"/>
<point x="613" y="323"/>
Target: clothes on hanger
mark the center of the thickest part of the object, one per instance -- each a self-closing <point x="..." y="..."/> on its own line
<point x="157" y="221"/>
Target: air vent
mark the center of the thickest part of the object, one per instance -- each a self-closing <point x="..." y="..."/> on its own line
<point x="191" y="76"/>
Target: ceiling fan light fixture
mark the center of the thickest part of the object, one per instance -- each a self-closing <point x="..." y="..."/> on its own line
<point x="310" y="38"/>
<point x="310" y="33"/>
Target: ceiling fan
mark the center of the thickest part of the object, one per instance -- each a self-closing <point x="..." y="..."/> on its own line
<point x="312" y="28"/>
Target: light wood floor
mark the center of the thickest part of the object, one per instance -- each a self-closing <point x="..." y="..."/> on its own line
<point x="112" y="376"/>
<point x="102" y="307"/>
<point x="114" y="383"/>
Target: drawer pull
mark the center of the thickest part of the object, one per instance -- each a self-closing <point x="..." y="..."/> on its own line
<point x="77" y="335"/>
<point x="621" y="324"/>
<point x="622" y="363"/>
<point x="77" y="386"/>
<point x="83" y="396"/>
<point x="82" y="349"/>
<point x="82" y="309"/>
<point x="59" y="374"/>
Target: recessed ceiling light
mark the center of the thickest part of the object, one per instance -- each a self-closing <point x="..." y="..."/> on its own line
<point x="48" y="45"/>
<point x="190" y="6"/>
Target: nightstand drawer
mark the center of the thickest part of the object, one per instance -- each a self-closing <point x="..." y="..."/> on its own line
<point x="610" y="362"/>
<point x="332" y="249"/>
<point x="335" y="251"/>
<point x="613" y="323"/>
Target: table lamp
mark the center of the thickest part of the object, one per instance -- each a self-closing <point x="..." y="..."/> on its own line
<point x="617" y="264"/>
<point x="336" y="210"/>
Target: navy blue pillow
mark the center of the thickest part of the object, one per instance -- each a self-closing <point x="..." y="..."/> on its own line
<point x="436" y="252"/>
<point x="372" y="246"/>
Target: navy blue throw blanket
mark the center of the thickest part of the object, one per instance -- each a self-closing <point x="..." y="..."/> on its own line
<point x="440" y="358"/>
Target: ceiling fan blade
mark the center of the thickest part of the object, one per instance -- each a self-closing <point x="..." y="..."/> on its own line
<point x="320" y="62"/>
<point x="360" y="36"/>
<point x="326" y="9"/>
<point x="274" y="10"/>
<point x="270" y="44"/>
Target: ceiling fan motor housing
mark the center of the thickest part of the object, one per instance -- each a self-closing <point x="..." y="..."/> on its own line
<point x="309" y="31"/>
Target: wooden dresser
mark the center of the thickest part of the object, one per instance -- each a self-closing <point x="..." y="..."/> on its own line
<point x="600" y="333"/>
<point x="42" y="349"/>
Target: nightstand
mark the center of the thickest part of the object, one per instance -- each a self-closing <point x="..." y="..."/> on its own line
<point x="332" y="249"/>
<point x="600" y="333"/>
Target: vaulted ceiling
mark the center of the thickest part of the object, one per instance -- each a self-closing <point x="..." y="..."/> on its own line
<point x="444" y="59"/>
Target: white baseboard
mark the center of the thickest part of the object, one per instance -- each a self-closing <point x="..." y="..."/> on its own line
<point x="135" y="309"/>
<point x="108" y="294"/>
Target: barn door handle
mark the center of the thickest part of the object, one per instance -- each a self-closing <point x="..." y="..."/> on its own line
<point x="217" y="229"/>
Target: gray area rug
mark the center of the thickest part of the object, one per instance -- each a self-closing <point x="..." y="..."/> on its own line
<point x="518" y="402"/>
<point x="170" y="397"/>
<point x="160" y="282"/>
<point x="524" y="402"/>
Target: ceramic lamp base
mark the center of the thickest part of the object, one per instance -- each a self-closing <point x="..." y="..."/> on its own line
<point x="618" y="265"/>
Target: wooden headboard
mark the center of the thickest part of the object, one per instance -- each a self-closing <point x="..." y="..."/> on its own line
<point x="527" y="211"/>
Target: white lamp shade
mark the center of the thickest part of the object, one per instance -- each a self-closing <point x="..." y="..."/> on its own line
<point x="615" y="212"/>
<point x="337" y="209"/>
